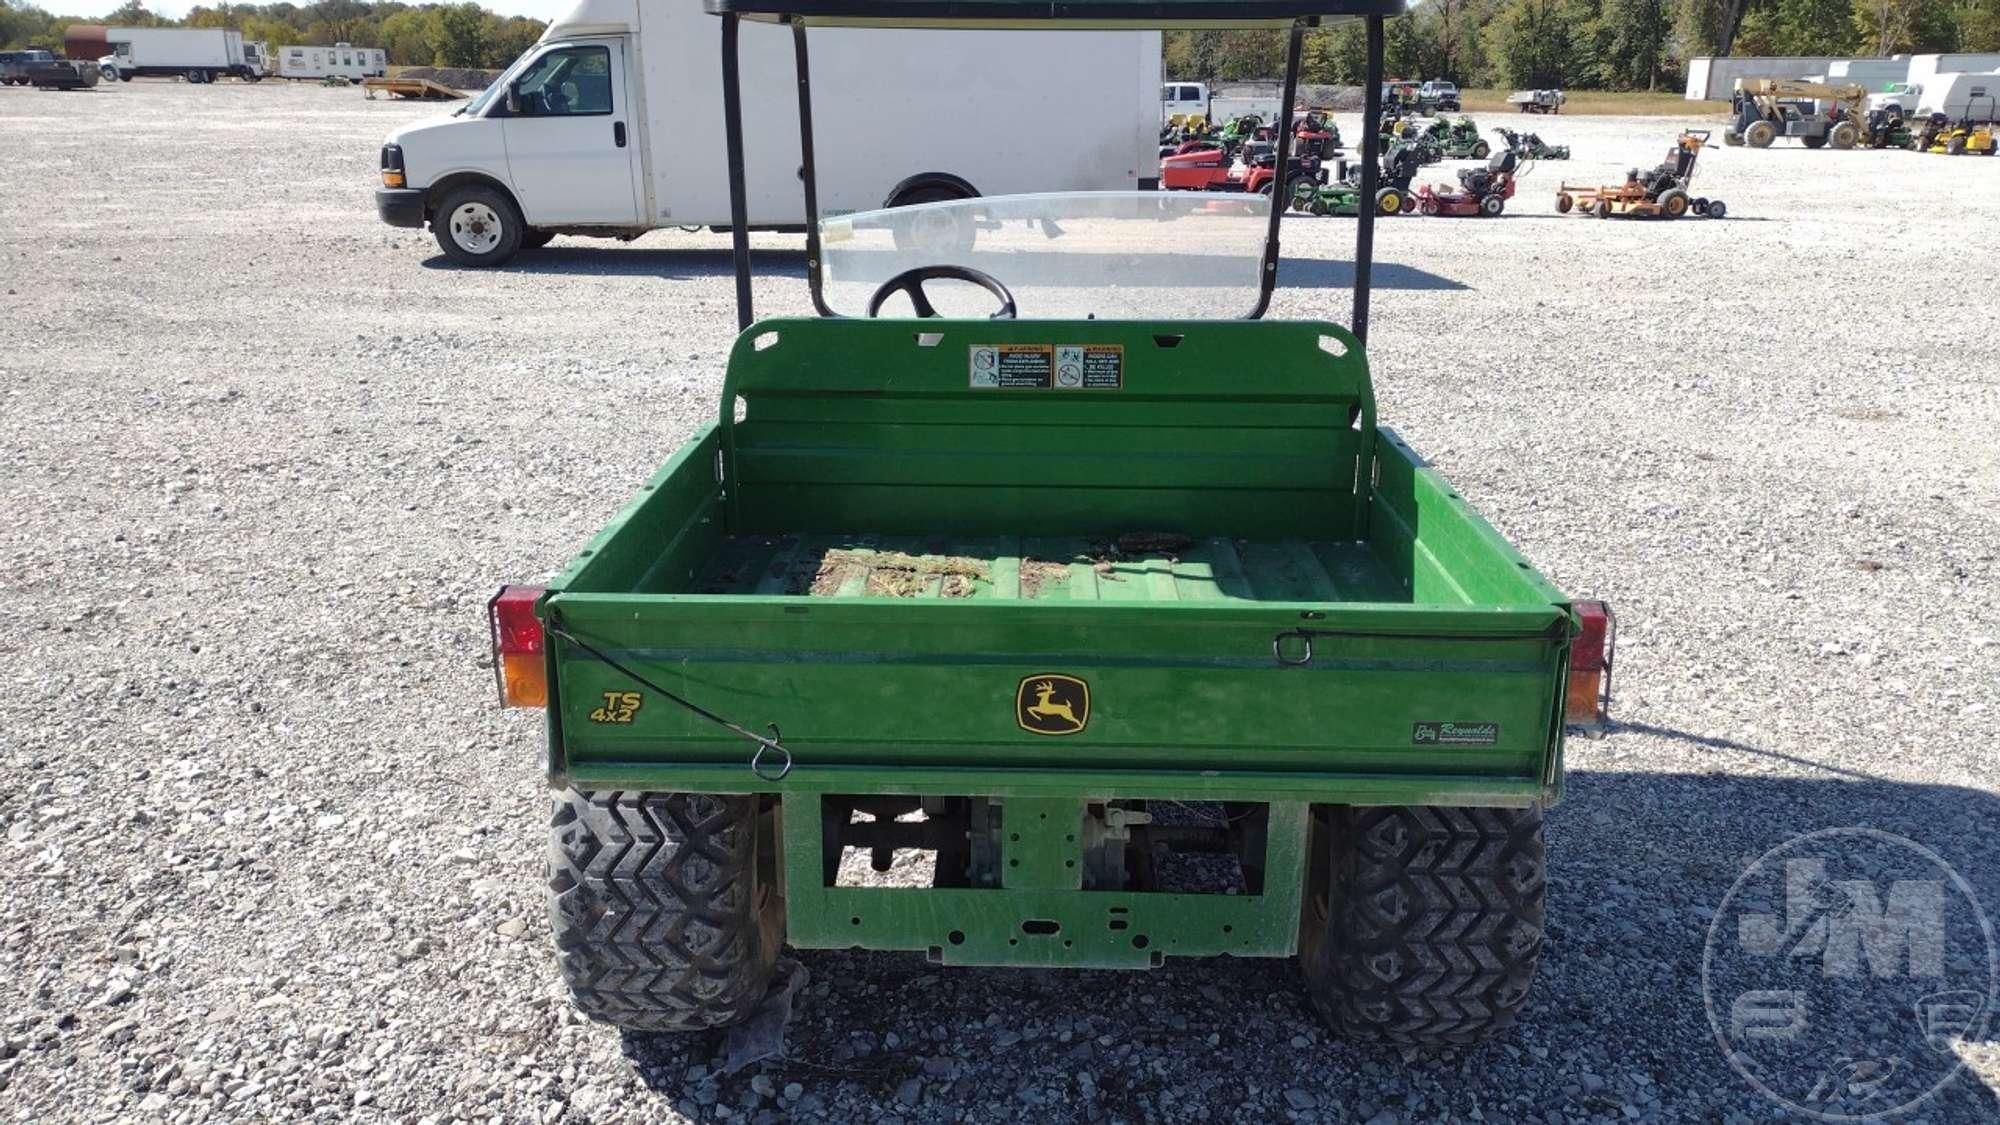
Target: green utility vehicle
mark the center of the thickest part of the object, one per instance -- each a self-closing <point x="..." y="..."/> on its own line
<point x="1135" y="632"/>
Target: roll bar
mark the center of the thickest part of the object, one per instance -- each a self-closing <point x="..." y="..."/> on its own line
<point x="1053" y="15"/>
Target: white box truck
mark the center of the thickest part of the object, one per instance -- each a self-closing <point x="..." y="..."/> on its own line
<point x="197" y="54"/>
<point x="612" y="125"/>
<point x="343" y="60"/>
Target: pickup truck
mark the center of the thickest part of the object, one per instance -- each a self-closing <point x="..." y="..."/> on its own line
<point x="15" y="65"/>
<point x="1130" y="635"/>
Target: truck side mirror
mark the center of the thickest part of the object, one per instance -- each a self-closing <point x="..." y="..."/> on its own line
<point x="513" y="99"/>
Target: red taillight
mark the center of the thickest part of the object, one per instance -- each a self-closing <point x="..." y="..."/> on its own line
<point x="1590" y="653"/>
<point x="518" y="661"/>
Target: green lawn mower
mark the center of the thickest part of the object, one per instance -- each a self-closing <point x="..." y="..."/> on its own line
<point x="1342" y="196"/>
<point x="1424" y="148"/>
<point x="1458" y="140"/>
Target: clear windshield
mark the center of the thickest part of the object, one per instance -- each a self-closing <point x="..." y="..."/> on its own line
<point x="1067" y="255"/>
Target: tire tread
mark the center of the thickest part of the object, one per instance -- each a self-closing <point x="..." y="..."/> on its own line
<point x="653" y="898"/>
<point x="1434" y="923"/>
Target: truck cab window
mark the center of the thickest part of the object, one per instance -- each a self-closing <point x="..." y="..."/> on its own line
<point x="568" y="82"/>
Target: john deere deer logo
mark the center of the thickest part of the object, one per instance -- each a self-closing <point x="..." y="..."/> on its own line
<point x="1052" y="704"/>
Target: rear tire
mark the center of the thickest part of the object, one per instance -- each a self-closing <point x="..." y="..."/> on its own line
<point x="664" y="916"/>
<point x="1955" y="146"/>
<point x="1673" y="203"/>
<point x="1388" y="201"/>
<point x="1843" y="135"/>
<point x="1760" y="134"/>
<point x="1481" y="150"/>
<point x="1491" y="205"/>
<point x="1422" y="926"/>
<point x="1564" y="203"/>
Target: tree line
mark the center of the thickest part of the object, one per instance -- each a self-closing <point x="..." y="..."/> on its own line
<point x="457" y="35"/>
<point x="1591" y="44"/>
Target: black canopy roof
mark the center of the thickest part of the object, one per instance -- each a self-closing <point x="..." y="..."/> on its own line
<point x="1056" y="13"/>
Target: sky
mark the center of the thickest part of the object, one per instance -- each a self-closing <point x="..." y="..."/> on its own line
<point x="174" y="9"/>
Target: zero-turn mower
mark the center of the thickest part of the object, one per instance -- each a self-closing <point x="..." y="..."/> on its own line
<point x="1662" y="192"/>
<point x="1963" y="137"/>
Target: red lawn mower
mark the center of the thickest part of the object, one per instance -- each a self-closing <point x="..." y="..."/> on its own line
<point x="1481" y="191"/>
<point x="1198" y="166"/>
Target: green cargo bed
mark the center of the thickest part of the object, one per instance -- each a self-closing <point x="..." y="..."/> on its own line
<point x="897" y="530"/>
<point x="1133" y="567"/>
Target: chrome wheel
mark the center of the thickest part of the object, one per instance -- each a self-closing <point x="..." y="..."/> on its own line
<point x="475" y="227"/>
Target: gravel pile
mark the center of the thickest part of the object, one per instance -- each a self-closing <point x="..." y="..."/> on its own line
<point x="272" y="853"/>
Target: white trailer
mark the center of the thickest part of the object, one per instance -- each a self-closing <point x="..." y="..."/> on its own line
<point x="1875" y="74"/>
<point x="342" y="60"/>
<point x="612" y="125"/>
<point x="1961" y="95"/>
<point x="1711" y="78"/>
<point x="198" y="54"/>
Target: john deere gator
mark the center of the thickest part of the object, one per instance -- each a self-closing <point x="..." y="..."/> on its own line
<point x="1132" y="628"/>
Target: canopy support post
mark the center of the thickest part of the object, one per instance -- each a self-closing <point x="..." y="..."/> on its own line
<point x="1281" y="155"/>
<point x="808" y="171"/>
<point x="732" y="131"/>
<point x="1371" y="166"/>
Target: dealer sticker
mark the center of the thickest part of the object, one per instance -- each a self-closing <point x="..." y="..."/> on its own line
<point x="1454" y="734"/>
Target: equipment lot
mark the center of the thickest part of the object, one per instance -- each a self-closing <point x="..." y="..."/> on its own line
<point x="267" y="837"/>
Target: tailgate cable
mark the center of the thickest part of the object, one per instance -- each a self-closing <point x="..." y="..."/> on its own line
<point x="756" y="760"/>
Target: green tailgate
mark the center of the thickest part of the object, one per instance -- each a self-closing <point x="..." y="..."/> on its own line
<point x="897" y="530"/>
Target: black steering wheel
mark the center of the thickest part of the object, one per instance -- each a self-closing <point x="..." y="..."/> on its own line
<point x="912" y="282"/>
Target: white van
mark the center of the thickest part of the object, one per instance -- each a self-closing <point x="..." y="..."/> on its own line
<point x="612" y="126"/>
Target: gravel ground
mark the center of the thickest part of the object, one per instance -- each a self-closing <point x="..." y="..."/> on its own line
<point x="272" y="853"/>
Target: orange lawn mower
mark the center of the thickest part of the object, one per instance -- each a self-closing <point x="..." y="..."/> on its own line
<point x="1661" y="192"/>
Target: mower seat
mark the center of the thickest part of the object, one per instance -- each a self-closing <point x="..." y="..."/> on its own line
<point x="1477" y="180"/>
